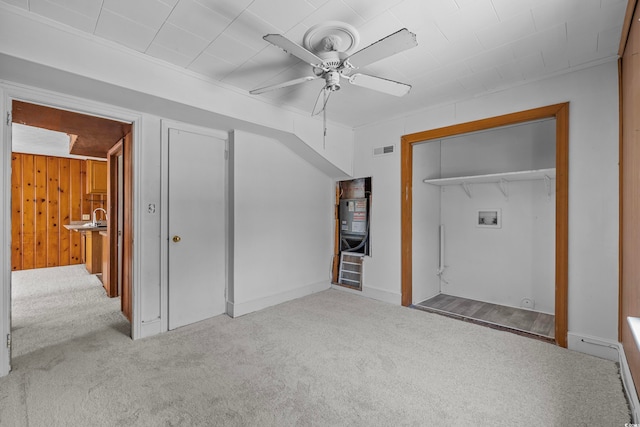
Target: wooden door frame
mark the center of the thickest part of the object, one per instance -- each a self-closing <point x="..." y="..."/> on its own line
<point x="561" y="114"/>
<point x="111" y="275"/>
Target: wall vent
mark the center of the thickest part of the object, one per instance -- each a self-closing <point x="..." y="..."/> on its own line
<point x="383" y="151"/>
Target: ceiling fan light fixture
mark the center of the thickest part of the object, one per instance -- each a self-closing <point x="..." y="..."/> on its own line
<point x="332" y="79"/>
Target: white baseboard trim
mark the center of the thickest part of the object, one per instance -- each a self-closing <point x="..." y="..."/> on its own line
<point x="629" y="386"/>
<point x="236" y="309"/>
<point x="149" y="328"/>
<point x="594" y="346"/>
<point x="373" y="293"/>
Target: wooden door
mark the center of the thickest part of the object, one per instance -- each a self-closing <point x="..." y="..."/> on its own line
<point x="112" y="273"/>
<point x="127" y="230"/>
<point x="197" y="239"/>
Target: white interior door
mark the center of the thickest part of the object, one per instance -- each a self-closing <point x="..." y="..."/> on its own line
<point x="197" y="241"/>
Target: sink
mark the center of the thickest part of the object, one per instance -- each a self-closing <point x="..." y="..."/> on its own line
<point x="97" y="224"/>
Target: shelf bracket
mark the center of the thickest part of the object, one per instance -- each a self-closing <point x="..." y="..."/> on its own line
<point x="504" y="187"/>
<point x="547" y="184"/>
<point x="466" y="188"/>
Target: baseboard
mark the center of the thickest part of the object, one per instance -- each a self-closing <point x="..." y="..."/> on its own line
<point x="628" y="385"/>
<point x="594" y="346"/>
<point x="373" y="293"/>
<point x="236" y="309"/>
<point x="149" y="328"/>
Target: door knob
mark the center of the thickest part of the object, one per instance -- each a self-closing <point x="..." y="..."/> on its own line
<point x="176" y="239"/>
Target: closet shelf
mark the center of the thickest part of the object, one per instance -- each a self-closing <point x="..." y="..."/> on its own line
<point x="496" y="177"/>
<point x="502" y="179"/>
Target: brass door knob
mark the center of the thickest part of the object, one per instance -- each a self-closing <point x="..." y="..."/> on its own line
<point x="176" y="239"/>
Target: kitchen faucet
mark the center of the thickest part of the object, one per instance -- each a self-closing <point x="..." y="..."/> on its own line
<point x="94" y="215"/>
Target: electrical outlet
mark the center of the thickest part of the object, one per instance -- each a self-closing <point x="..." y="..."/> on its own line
<point x="527" y="303"/>
<point x="86" y="217"/>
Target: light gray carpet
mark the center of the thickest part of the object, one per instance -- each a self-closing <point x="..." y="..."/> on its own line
<point x="328" y="359"/>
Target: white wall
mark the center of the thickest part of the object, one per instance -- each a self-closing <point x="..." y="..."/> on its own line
<point x="500" y="265"/>
<point x="426" y="221"/>
<point x="593" y="185"/>
<point x="283" y="224"/>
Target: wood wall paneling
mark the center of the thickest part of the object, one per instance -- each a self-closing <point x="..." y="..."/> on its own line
<point x="47" y="192"/>
<point x="630" y="190"/>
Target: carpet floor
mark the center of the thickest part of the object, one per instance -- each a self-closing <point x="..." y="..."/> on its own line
<point x="327" y="359"/>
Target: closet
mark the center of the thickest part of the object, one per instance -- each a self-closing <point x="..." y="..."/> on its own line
<point x="484" y="225"/>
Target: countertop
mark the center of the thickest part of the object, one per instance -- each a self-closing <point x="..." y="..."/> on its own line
<point x="81" y="226"/>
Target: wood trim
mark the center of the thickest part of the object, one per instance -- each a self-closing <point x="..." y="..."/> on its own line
<point x="110" y="276"/>
<point x="620" y="199"/>
<point x="626" y="26"/>
<point x="336" y="236"/>
<point x="558" y="111"/>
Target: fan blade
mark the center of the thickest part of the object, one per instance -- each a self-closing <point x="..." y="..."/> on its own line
<point x="281" y="85"/>
<point x="388" y="46"/>
<point x="293" y="48"/>
<point x="390" y="87"/>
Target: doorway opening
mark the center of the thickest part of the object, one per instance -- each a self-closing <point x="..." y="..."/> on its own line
<point x="66" y="206"/>
<point x="488" y="220"/>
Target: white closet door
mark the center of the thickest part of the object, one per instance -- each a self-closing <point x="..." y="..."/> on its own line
<point x="196" y="227"/>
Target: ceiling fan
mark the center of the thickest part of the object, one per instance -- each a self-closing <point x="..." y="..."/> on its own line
<point x="327" y="48"/>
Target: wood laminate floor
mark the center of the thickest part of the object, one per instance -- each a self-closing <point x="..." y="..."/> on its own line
<point x="526" y="321"/>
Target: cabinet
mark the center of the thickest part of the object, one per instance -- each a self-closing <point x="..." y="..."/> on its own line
<point x="93" y="251"/>
<point x="96" y="177"/>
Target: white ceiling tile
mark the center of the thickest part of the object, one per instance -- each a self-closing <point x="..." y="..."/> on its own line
<point x="212" y="67"/>
<point x="24" y="4"/>
<point x="249" y="75"/>
<point x="550" y="38"/>
<point x="416" y="61"/>
<point x="274" y="60"/>
<point x="230" y="49"/>
<point x="228" y="9"/>
<point x="271" y="11"/>
<point x="490" y="59"/>
<point x="514" y="28"/>
<point x="445" y="74"/>
<point x="531" y="66"/>
<point x="168" y="55"/>
<point x="249" y="29"/>
<point x="465" y="21"/>
<point x="509" y="8"/>
<point x="170" y="3"/>
<point x="510" y="72"/>
<point x="297" y="32"/>
<point x="378" y="28"/>
<point x="415" y="14"/>
<point x="459" y="50"/>
<point x="609" y="40"/>
<point x="555" y="59"/>
<point x="151" y="13"/>
<point x="180" y="41"/>
<point x="369" y="9"/>
<point x="431" y="38"/>
<point x="198" y="19"/>
<point x="317" y="3"/>
<point x="124" y="31"/>
<point x="89" y="8"/>
<point x="334" y="10"/>
<point x="63" y="15"/>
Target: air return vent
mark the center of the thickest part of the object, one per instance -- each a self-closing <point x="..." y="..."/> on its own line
<point x="383" y="151"/>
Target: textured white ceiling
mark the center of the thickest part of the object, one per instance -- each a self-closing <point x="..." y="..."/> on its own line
<point x="465" y="47"/>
